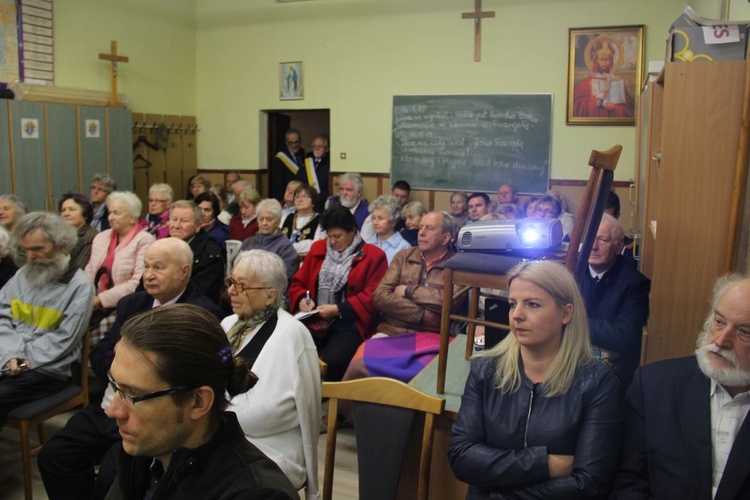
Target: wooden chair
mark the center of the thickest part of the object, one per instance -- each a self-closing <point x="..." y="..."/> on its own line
<point x="35" y="413"/>
<point x="474" y="271"/>
<point x="384" y="412"/>
<point x="233" y="248"/>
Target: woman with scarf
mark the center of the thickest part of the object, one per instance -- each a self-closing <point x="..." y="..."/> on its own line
<point x="337" y="280"/>
<point x="281" y="415"/>
<point x="159" y="204"/>
<point x="116" y="263"/>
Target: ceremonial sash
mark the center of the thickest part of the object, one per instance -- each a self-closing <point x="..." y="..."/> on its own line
<point x="312" y="176"/>
<point x="293" y="167"/>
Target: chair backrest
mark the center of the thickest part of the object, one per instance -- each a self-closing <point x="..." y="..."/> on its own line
<point x="390" y="405"/>
<point x="85" y="366"/>
<point x="233" y="248"/>
<point x="603" y="164"/>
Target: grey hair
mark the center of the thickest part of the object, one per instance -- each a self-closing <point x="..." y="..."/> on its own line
<point x="449" y="225"/>
<point x="5" y="246"/>
<point x="413" y="208"/>
<point x="54" y="228"/>
<point x="352" y="177"/>
<point x="129" y="199"/>
<point x="19" y="205"/>
<point x="163" y="189"/>
<point x="192" y="206"/>
<point x="618" y="232"/>
<point x="388" y="203"/>
<point x="105" y="179"/>
<point x="271" y="206"/>
<point x="721" y="285"/>
<point x="267" y="269"/>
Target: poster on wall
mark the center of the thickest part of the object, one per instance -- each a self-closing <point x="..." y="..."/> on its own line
<point x="8" y="42"/>
<point x="37" y="41"/>
<point x="29" y="128"/>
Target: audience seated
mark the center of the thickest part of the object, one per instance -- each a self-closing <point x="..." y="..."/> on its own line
<point x="412" y="214"/>
<point x="270" y="239"/>
<point x="209" y="258"/>
<point x="539" y="417"/>
<point x="11" y="210"/>
<point x="116" y="263"/>
<point x="507" y="194"/>
<point x="281" y="415"/>
<point x="340" y="275"/>
<point x="233" y="207"/>
<point x="350" y="196"/>
<point x="289" y="206"/>
<point x="101" y="187"/>
<point x="67" y="460"/>
<point x="221" y="194"/>
<point x="612" y="208"/>
<point x="159" y="202"/>
<point x="529" y="210"/>
<point x="385" y="211"/>
<point x="409" y="298"/>
<point x="616" y="299"/>
<point x="187" y="440"/>
<point x="401" y="191"/>
<point x="508" y="211"/>
<point x="479" y="205"/>
<point x="686" y="419"/>
<point x="229" y="179"/>
<point x="75" y="210"/>
<point x="7" y="267"/>
<point x="44" y="311"/>
<point x="303" y="226"/>
<point x="209" y="205"/>
<point x="566" y="218"/>
<point x="459" y="209"/>
<point x="198" y="185"/>
<point x="245" y="223"/>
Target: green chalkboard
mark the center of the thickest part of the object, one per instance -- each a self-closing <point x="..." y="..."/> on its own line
<point x="472" y="142"/>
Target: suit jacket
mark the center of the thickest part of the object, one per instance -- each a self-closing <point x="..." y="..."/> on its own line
<point x="667" y="448"/>
<point x="281" y="175"/>
<point x="103" y="352"/>
<point x="209" y="260"/>
<point x="322" y="170"/>
<point x="617" y="309"/>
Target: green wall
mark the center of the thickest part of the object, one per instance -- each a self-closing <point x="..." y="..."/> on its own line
<point x="358" y="56"/>
<point x="159" y="37"/>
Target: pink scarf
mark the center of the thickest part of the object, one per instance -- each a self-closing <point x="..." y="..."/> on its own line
<point x="105" y="281"/>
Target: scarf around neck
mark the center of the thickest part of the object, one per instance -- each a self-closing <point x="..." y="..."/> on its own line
<point x="334" y="273"/>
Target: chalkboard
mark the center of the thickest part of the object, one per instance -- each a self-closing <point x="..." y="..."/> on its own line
<point x="472" y="142"/>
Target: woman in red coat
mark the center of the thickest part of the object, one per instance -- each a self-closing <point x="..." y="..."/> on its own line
<point x="340" y="273"/>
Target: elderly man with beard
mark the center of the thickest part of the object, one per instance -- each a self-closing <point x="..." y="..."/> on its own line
<point x="688" y="432"/>
<point x="350" y="196"/>
<point x="44" y="311"/>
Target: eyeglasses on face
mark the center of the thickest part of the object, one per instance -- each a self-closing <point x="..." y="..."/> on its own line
<point x="99" y="189"/>
<point x="301" y="196"/>
<point x="156" y="200"/>
<point x="130" y="399"/>
<point x="229" y="282"/>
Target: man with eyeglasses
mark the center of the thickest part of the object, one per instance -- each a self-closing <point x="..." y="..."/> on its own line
<point x="101" y="186"/>
<point x="67" y="460"/>
<point x="287" y="163"/>
<point x="616" y="298"/>
<point x="687" y="429"/>
<point x="316" y="169"/>
<point x="172" y="372"/>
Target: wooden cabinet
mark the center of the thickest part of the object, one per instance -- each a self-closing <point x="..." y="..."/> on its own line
<point x="60" y="156"/>
<point x="690" y="139"/>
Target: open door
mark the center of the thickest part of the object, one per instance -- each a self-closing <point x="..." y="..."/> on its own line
<point x="278" y="124"/>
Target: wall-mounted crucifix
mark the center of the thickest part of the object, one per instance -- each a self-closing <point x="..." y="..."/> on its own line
<point x="113" y="58"/>
<point x="477" y="16"/>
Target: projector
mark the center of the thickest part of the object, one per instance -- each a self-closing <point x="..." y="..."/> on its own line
<point x="524" y="236"/>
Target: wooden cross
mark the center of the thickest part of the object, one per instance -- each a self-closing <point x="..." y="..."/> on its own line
<point x="477" y="16"/>
<point x="113" y="58"/>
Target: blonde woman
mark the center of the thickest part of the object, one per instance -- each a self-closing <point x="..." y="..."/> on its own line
<point x="539" y="417"/>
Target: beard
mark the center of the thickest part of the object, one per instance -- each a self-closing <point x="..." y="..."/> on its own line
<point x="44" y="273"/>
<point x="734" y="376"/>
<point x="348" y="202"/>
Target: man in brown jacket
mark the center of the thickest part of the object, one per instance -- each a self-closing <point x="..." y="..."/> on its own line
<point x="410" y="295"/>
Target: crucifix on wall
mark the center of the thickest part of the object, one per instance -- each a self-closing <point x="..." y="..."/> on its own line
<point x="477" y="16"/>
<point x="113" y="58"/>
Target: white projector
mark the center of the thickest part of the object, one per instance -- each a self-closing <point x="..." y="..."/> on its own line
<point x="510" y="236"/>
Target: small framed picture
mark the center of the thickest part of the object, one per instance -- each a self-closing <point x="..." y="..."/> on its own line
<point x="292" y="81"/>
<point x="604" y="74"/>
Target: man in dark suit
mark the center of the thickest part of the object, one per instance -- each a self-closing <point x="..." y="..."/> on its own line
<point x="687" y="430"/>
<point x="616" y="298"/>
<point x="67" y="460"/>
<point x="316" y="169"/>
<point x="287" y="163"/>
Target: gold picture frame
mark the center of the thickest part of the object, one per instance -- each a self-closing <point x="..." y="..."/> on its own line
<point x="605" y="67"/>
<point x="292" y="81"/>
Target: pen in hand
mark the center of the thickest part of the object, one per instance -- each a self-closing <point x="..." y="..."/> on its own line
<point x="3" y="370"/>
<point x="307" y="297"/>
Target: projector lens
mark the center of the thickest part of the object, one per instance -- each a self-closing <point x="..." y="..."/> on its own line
<point x="529" y="236"/>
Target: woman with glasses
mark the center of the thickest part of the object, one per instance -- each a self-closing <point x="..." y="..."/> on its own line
<point x="270" y="239"/>
<point x="337" y="280"/>
<point x="159" y="203"/>
<point x="539" y="417"/>
<point x="301" y="227"/>
<point x="281" y="415"/>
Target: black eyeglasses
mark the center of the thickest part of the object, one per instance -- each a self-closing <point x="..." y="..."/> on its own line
<point x="228" y="282"/>
<point x="130" y="400"/>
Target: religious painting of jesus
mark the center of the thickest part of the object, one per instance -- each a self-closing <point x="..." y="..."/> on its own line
<point x="291" y="81"/>
<point x="604" y="74"/>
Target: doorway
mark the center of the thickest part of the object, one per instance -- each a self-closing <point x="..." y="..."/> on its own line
<point x="310" y="123"/>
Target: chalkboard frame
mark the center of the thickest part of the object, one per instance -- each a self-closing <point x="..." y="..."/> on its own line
<point x="422" y="143"/>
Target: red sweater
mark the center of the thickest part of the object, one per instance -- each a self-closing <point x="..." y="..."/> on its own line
<point x="239" y="232"/>
<point x="368" y="268"/>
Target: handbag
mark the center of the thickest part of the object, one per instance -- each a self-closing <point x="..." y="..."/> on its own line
<point x="317" y="325"/>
